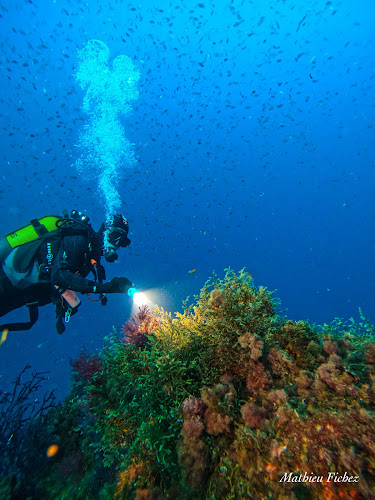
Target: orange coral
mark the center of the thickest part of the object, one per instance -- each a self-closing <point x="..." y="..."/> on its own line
<point x="217" y="298"/>
<point x="370" y="353"/>
<point x="329" y="346"/>
<point x="333" y="376"/>
<point x="192" y="449"/>
<point x="281" y="364"/>
<point x="215" y="419"/>
<point x="252" y="342"/>
<point x="257" y="378"/>
<point x="253" y="415"/>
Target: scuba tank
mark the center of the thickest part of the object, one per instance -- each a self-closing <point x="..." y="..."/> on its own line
<point x="31" y="232"/>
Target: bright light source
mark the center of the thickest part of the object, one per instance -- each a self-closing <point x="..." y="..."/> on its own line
<point x="149" y="297"/>
<point x="139" y="299"/>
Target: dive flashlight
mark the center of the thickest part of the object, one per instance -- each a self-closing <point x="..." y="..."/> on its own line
<point x="138" y="297"/>
<point x="132" y="291"/>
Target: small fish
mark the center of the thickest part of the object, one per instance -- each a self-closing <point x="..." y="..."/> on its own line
<point x="301" y="21"/>
<point x="4" y="336"/>
<point x="52" y="450"/>
<point x="192" y="271"/>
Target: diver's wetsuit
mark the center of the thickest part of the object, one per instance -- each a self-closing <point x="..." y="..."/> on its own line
<point x="70" y="271"/>
<point x="70" y="264"/>
<point x="10" y="297"/>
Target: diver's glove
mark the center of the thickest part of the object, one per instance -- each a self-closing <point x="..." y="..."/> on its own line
<point x="116" y="285"/>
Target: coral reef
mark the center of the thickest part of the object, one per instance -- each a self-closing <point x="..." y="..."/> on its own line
<point x="85" y="366"/>
<point x="137" y="328"/>
<point x="227" y="400"/>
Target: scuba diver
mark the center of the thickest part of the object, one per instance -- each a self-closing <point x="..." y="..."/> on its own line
<point x="48" y="261"/>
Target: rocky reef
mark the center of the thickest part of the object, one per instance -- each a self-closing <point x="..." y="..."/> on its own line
<point x="228" y="400"/>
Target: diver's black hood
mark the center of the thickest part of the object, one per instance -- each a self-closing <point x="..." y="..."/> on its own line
<point x="111" y="236"/>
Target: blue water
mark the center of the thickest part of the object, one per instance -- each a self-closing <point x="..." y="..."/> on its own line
<point x="253" y="136"/>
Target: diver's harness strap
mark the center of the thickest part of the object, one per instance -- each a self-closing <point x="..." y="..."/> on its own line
<point x="18" y="327"/>
<point x="63" y="313"/>
<point x="39" y="228"/>
<point x="101" y="277"/>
